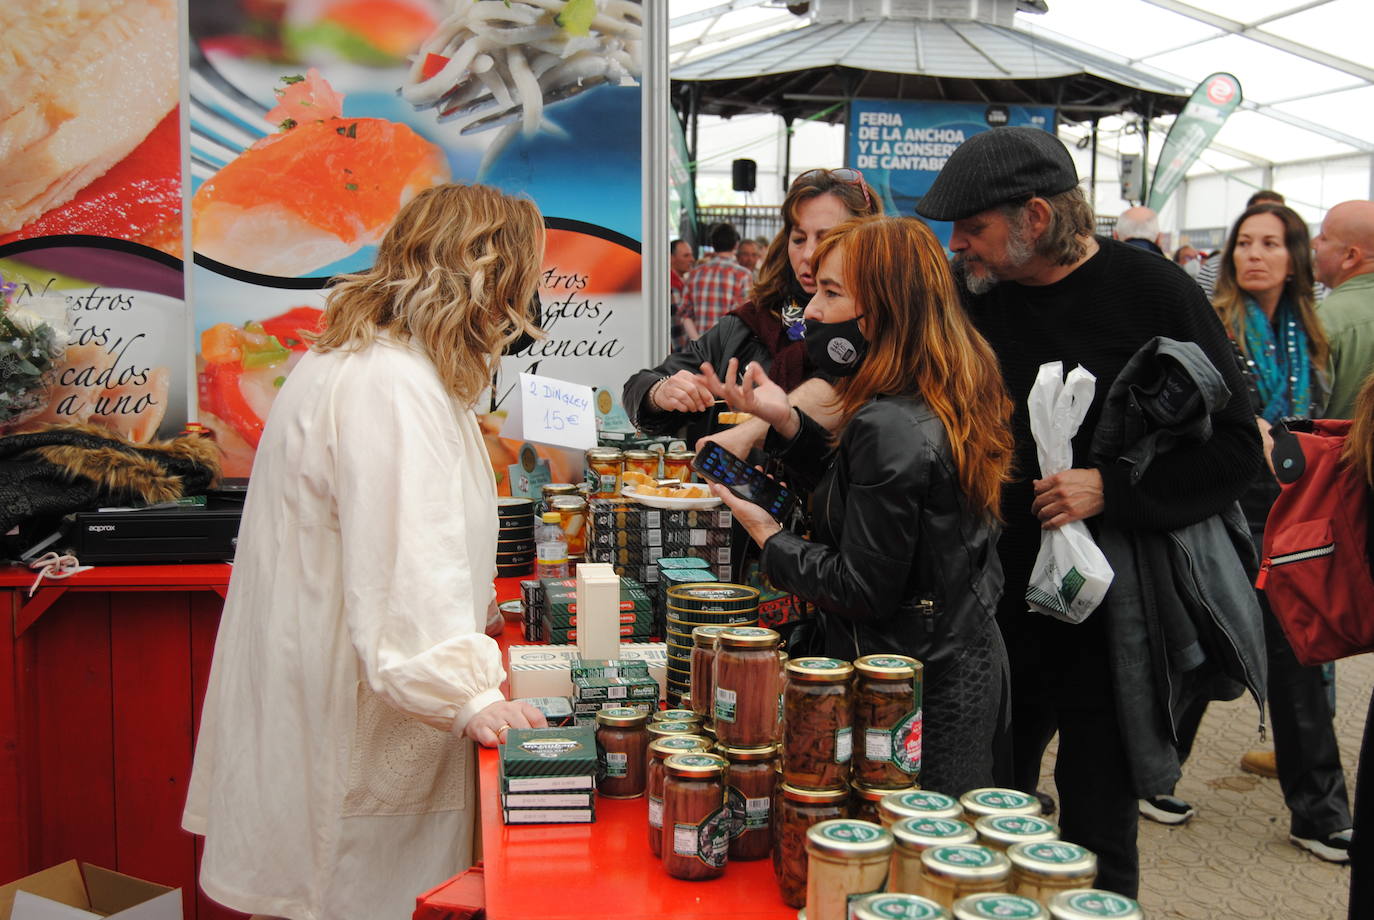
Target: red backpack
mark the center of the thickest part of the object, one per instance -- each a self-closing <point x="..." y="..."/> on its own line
<point x="1316" y="571"/>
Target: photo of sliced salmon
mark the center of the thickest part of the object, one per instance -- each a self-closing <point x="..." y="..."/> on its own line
<point x="312" y="195"/>
<point x="85" y="82"/>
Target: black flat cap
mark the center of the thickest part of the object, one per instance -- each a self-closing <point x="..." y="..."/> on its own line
<point x="998" y="166"/>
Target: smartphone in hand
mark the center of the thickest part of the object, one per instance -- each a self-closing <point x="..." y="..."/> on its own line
<point x="718" y="465"/>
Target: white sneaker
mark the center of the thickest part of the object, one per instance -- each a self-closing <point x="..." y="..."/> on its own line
<point x="1166" y="809"/>
<point x="1332" y="848"/>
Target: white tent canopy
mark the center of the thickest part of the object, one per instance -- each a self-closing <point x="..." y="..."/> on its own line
<point x="1305" y="67"/>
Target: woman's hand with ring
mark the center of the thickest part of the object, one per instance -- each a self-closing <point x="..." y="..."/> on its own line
<point x="489" y="727"/>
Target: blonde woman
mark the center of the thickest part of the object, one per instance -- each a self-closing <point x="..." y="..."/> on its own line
<point x="333" y="773"/>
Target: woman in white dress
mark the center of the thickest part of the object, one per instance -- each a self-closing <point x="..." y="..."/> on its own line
<point x="333" y="772"/>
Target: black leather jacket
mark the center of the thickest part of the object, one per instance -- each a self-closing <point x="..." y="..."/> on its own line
<point x="897" y="563"/>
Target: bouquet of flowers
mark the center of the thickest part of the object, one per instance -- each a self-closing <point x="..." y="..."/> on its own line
<point x="33" y="339"/>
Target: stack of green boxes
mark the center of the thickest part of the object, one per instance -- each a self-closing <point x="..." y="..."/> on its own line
<point x="630" y="536"/>
<point x="548" y="776"/>
<point x="674" y="571"/>
<point x="558" y="619"/>
<point x="608" y="684"/>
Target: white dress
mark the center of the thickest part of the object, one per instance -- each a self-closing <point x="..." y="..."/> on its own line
<point x="329" y="781"/>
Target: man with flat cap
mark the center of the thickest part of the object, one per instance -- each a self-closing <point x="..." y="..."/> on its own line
<point x="1042" y="287"/>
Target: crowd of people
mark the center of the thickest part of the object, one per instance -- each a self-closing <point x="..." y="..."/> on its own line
<point x="899" y="446"/>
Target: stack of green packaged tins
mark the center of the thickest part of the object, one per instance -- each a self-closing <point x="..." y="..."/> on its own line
<point x="610" y="684"/>
<point x="559" y="616"/>
<point x="674" y="571"/>
<point x="630" y="536"/>
<point x="548" y="775"/>
<point x="703" y="604"/>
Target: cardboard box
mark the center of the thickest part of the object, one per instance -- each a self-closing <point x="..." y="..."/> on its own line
<point x="69" y="891"/>
<point x="546" y="670"/>
<point x="598" y="601"/>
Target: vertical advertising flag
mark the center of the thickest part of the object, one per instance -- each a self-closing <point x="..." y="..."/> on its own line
<point x="901" y="146"/>
<point x="1207" y="109"/>
<point x="314" y="121"/>
<point x="92" y="310"/>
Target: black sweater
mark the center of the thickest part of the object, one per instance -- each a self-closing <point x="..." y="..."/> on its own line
<point x="1098" y="317"/>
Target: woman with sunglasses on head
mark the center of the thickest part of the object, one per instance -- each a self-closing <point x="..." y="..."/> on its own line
<point x="907" y="490"/>
<point x="768" y="329"/>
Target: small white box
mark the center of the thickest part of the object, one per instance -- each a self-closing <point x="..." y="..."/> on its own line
<point x="541" y="670"/>
<point x="598" y="611"/>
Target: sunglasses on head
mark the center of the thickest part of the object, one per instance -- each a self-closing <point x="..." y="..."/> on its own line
<point x="843" y="175"/>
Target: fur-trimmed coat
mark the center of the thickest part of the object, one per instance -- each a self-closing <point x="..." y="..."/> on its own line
<point x="62" y="469"/>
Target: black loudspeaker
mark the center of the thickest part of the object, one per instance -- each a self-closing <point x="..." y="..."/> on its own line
<point x="745" y="173"/>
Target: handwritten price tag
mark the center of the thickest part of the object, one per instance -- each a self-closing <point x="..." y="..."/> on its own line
<point x="557" y="412"/>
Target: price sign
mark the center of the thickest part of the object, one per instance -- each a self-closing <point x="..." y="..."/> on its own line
<point x="557" y="412"/>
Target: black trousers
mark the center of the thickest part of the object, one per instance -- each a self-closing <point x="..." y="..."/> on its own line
<point x="1362" y="845"/>
<point x="1305" y="747"/>
<point x="1060" y="682"/>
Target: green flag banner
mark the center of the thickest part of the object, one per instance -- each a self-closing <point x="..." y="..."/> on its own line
<point x="1215" y="98"/>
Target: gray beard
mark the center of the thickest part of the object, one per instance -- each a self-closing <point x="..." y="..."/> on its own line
<point x="1019" y="252"/>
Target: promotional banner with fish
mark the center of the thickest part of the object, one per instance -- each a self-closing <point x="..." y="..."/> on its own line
<point x="93" y="319"/>
<point x="314" y="121"/>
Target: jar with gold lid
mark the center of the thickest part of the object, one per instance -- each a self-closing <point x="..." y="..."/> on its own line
<point x="865" y="801"/>
<point x="892" y="906"/>
<point x="911" y="838"/>
<point x="887" y="721"/>
<point x="745" y="675"/>
<point x="991" y="801"/>
<point x="643" y="461"/>
<point x="845" y="857"/>
<point x="551" y="490"/>
<point x="696" y="830"/>
<point x="677" y="464"/>
<point x="1001" y="831"/>
<point x="998" y="905"/>
<point x="1093" y="904"/>
<point x="622" y="746"/>
<point x="917" y="803"/>
<point x="817" y="733"/>
<point x="653" y="783"/>
<point x="1042" y="870"/>
<point x="750" y="781"/>
<point x="674" y="715"/>
<point x="572" y="517"/>
<point x="794" y="812"/>
<point x="606" y="465"/>
<point x="952" y="871"/>
<point x="660" y="730"/>
<point x="702" y="664"/>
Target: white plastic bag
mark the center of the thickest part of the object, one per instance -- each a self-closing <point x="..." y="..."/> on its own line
<point x="1071" y="576"/>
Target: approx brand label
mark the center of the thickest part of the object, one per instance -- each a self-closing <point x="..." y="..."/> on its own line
<point x="713" y="838"/>
<point x="878" y="745"/>
<point x="725" y="704"/>
<point x="844" y="745"/>
<point x="906" y="743"/>
<point x="655" y="811"/>
<point x="617" y="765"/>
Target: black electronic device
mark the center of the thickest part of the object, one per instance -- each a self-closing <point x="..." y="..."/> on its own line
<point x="718" y="465"/>
<point x="152" y="535"/>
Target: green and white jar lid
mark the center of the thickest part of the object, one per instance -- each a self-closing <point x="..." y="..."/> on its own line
<point x="998" y="906"/>
<point x="965" y="862"/>
<point x="919" y="804"/>
<point x="1005" y="830"/>
<point x="848" y="837"/>
<point x="1053" y="859"/>
<point x="820" y="670"/>
<point x="991" y="801"/>
<point x="925" y="832"/>
<point x="893" y="906"/>
<point x="1093" y="904"/>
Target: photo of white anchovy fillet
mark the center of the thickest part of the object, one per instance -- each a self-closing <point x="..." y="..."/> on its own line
<point x="497" y="64"/>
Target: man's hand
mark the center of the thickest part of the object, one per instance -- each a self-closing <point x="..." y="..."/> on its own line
<point x="739" y="439"/>
<point x="759" y="523"/>
<point x="1068" y="496"/>
<point x="488" y="728"/>
<point x="682" y="392"/>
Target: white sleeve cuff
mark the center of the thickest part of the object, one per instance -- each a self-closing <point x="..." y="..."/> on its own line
<point x="475" y="705"/>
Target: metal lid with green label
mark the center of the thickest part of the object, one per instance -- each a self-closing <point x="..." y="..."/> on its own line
<point x="887" y="667"/>
<point x="1055" y="859"/>
<point x="893" y="906"/>
<point x="819" y="670"/>
<point x="966" y="862"/>
<point x="924" y="832"/>
<point x="748" y="637"/>
<point x="848" y="837"/>
<point x="998" y="906"/>
<point x="664" y="748"/>
<point x="695" y="766"/>
<point x="990" y="801"/>
<point x="664" y="729"/>
<point x="621" y="717"/>
<point x="868" y="793"/>
<point x="675" y="715"/>
<point x="1004" y="830"/>
<point x="918" y="804"/>
<point x="705" y="636"/>
<point x="1093" y="904"/>
<point x="813" y="796"/>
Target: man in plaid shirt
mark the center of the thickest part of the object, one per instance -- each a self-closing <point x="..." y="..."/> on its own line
<point x="716" y="286"/>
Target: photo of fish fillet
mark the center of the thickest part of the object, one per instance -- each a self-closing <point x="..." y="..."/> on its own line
<point x="85" y="82"/>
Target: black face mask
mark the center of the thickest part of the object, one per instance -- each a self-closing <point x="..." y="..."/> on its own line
<point x="536" y="316"/>
<point x="835" y="348"/>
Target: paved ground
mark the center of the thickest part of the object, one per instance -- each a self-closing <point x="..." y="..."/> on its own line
<point x="1233" y="859"/>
